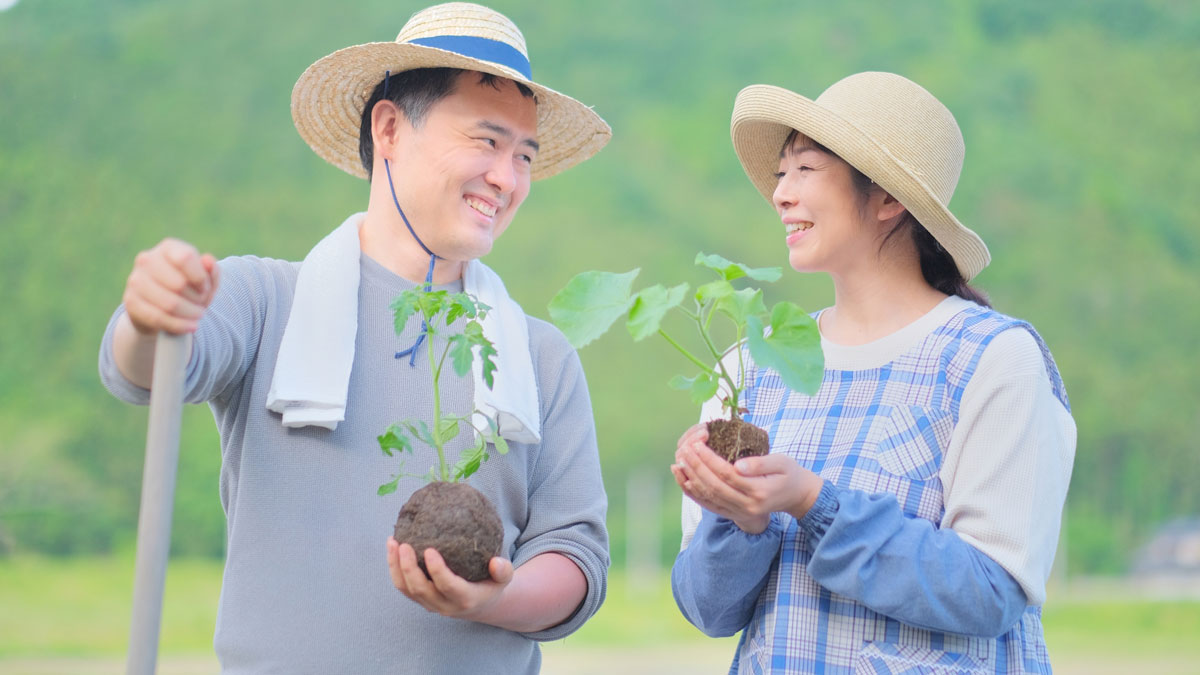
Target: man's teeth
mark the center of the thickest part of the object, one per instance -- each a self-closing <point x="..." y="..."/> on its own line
<point x="796" y="227"/>
<point x="482" y="207"/>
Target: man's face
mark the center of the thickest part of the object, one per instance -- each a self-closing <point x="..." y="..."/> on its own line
<point x="461" y="175"/>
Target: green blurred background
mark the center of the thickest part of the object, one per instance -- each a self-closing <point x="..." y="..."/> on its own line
<point x="124" y="121"/>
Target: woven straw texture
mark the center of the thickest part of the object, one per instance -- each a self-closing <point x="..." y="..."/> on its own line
<point x="328" y="99"/>
<point x="886" y="126"/>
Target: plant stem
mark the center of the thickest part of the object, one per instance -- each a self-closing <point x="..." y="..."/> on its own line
<point x="436" y="431"/>
<point x="685" y="352"/>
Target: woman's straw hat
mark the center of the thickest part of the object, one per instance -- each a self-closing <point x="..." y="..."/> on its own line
<point x="328" y="99"/>
<point x="884" y="125"/>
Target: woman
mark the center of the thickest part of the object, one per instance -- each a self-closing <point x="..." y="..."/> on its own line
<point x="907" y="516"/>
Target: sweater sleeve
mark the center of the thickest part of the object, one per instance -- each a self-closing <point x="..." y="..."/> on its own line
<point x="1006" y="473"/>
<point x="718" y="577"/>
<point x="226" y="340"/>
<point x="567" y="502"/>
<point x="1004" y="481"/>
<point x="867" y="549"/>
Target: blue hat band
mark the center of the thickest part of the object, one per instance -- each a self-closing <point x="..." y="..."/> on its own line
<point x="494" y="51"/>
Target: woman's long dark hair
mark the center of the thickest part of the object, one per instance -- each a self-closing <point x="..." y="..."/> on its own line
<point x="937" y="266"/>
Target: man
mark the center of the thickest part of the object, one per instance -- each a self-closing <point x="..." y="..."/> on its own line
<point x="302" y="367"/>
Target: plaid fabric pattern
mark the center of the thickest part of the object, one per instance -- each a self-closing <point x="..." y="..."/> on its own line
<point x="879" y="430"/>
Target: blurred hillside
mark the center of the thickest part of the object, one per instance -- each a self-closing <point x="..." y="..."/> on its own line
<point x="126" y="121"/>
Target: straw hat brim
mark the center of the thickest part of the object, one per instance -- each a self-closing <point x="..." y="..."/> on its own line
<point x="328" y="100"/>
<point x="764" y="116"/>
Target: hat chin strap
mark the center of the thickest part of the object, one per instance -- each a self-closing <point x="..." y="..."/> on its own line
<point x="411" y="352"/>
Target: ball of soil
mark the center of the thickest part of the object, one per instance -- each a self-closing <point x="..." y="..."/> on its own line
<point x="458" y="522"/>
<point x="735" y="439"/>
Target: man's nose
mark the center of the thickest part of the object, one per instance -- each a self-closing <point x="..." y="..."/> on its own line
<point x="501" y="175"/>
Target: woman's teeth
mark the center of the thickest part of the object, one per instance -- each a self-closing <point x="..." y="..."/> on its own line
<point x="796" y="227"/>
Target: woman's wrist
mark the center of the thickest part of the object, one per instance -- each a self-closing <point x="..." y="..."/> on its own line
<point x="753" y="524"/>
<point x="811" y="489"/>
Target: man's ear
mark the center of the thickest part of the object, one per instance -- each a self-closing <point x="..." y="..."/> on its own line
<point x="387" y="121"/>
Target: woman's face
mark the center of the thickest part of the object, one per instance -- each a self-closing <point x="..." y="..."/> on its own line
<point x="822" y="213"/>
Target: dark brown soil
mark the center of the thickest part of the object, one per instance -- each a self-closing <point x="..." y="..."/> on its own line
<point x="735" y="439"/>
<point x="458" y="522"/>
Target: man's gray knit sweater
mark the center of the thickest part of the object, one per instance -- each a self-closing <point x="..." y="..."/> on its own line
<point x="306" y="586"/>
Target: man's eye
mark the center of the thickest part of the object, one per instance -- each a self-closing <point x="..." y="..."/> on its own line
<point x="490" y="141"/>
<point x="525" y="158"/>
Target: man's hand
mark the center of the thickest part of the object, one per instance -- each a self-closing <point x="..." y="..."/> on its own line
<point x="746" y="492"/>
<point x="168" y="290"/>
<point x="170" y="287"/>
<point x="445" y="592"/>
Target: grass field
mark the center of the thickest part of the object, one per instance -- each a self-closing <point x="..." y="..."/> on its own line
<point x="72" y="616"/>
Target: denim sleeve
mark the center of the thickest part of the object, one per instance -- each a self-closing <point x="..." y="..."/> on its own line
<point x="865" y="548"/>
<point x="718" y="577"/>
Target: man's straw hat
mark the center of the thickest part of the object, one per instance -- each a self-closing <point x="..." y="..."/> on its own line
<point x="884" y="125"/>
<point x="328" y="99"/>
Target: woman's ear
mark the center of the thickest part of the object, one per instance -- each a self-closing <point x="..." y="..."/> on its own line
<point x="888" y="208"/>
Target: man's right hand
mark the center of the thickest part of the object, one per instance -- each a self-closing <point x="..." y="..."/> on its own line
<point x="169" y="289"/>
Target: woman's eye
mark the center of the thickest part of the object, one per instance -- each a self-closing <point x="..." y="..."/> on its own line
<point x="804" y="167"/>
<point x="779" y="175"/>
<point x="525" y="158"/>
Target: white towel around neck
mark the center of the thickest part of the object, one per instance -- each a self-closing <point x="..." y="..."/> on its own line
<point x="312" y="371"/>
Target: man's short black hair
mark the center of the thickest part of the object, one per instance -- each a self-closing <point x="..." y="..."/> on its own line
<point x="415" y="92"/>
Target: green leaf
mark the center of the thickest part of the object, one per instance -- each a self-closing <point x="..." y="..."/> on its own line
<point x="650" y="306"/>
<point x="461" y="353"/>
<point x="470" y="461"/>
<point x="448" y="429"/>
<point x="740" y="305"/>
<point x="419" y="430"/>
<point x="713" y="290"/>
<point x="404" y="306"/>
<point x="589" y="304"/>
<point x="389" y="487"/>
<point x="730" y="270"/>
<point x="702" y="386"/>
<point x="493" y="435"/>
<point x="395" y="438"/>
<point x="793" y="347"/>
<point x="432" y="303"/>
<point x="463" y="304"/>
<point x="500" y="443"/>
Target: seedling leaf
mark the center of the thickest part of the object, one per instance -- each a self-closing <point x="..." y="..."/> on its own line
<point x="395" y="438"/>
<point x="702" y="386"/>
<point x="448" y="429"/>
<point x="649" y="307"/>
<point x="713" y="290"/>
<point x="389" y="487"/>
<point x="730" y="270"/>
<point x="741" y="305"/>
<point x="470" y="461"/>
<point x="420" y="430"/>
<point x="793" y="347"/>
<point x="403" y="307"/>
<point x="589" y="304"/>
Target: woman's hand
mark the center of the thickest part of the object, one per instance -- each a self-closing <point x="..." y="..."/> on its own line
<point x="746" y="492"/>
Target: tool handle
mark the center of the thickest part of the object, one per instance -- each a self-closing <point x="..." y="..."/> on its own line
<point x="158" y="500"/>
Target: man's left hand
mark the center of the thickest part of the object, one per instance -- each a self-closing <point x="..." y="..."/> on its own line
<point x="444" y="592"/>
